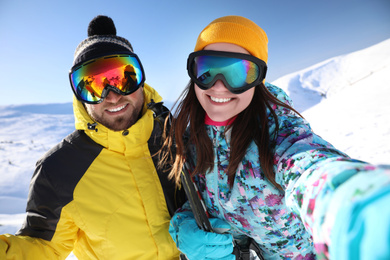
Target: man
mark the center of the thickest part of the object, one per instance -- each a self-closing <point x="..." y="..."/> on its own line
<point x="98" y="192"/>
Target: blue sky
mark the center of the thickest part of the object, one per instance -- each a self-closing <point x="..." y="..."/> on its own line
<point x="38" y="38"/>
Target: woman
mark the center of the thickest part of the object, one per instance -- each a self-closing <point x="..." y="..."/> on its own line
<point x="261" y="171"/>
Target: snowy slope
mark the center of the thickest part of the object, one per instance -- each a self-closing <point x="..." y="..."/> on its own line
<point x="357" y="119"/>
<point x="324" y="80"/>
<point x="345" y="99"/>
<point x="26" y="133"/>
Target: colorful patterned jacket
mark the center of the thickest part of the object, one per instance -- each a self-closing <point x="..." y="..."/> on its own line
<point x="321" y="187"/>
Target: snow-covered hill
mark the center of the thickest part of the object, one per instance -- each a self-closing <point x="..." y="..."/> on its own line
<point x="346" y="100"/>
<point x="324" y="80"/>
<point x="26" y="133"/>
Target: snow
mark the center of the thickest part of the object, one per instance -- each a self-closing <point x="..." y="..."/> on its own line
<point x="325" y="80"/>
<point x="345" y="99"/>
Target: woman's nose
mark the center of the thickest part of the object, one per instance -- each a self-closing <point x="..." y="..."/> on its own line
<point x="219" y="85"/>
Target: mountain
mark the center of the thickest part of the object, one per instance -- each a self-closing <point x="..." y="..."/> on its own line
<point x="26" y="133"/>
<point x="355" y="114"/>
<point x="326" y="79"/>
<point x="344" y="98"/>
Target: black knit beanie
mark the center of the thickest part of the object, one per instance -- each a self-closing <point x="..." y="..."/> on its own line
<point x="101" y="41"/>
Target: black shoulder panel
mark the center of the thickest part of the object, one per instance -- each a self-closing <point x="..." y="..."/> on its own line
<point x="174" y="197"/>
<point x="55" y="178"/>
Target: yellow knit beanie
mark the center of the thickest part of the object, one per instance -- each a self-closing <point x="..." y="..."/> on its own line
<point x="237" y="30"/>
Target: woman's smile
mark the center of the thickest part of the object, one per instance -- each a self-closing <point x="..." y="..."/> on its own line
<point x="220" y="100"/>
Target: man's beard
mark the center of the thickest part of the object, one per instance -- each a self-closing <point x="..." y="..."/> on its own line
<point x="120" y="123"/>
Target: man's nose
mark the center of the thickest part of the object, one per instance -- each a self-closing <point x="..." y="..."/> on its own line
<point x="112" y="97"/>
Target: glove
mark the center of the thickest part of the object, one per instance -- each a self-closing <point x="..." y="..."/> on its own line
<point x="197" y="244"/>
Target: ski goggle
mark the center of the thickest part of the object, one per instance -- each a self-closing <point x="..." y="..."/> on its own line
<point x="239" y="72"/>
<point x="92" y="80"/>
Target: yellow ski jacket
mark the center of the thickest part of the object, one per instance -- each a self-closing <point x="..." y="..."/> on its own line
<point x="98" y="193"/>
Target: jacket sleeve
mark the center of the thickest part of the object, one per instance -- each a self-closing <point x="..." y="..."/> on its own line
<point x="27" y="247"/>
<point x="48" y="231"/>
<point x="334" y="195"/>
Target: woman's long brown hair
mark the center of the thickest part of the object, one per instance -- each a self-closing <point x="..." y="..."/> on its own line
<point x="250" y="125"/>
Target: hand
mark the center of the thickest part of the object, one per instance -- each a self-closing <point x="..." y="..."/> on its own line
<point x="197" y="244"/>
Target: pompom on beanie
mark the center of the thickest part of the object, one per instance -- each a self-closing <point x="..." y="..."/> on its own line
<point x="102" y="40"/>
<point x="237" y="30"/>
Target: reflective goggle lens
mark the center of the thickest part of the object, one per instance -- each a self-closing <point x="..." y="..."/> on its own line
<point x="238" y="71"/>
<point x="121" y="73"/>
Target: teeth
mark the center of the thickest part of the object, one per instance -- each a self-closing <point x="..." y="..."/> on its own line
<point x="220" y="100"/>
<point x="117" y="109"/>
